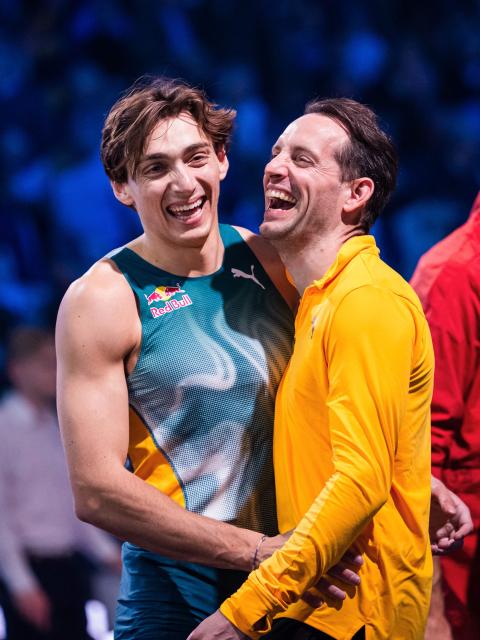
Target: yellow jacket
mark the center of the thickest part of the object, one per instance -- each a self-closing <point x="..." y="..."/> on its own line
<point x="352" y="456"/>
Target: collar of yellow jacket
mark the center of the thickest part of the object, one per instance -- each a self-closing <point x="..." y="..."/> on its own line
<point x="349" y="249"/>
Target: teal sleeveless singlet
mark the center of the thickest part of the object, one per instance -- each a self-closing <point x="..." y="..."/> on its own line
<point x="202" y="392"/>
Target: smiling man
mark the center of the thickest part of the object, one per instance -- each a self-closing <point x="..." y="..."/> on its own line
<point x="352" y="437"/>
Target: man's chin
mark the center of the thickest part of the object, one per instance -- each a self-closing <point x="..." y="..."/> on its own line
<point x="273" y="230"/>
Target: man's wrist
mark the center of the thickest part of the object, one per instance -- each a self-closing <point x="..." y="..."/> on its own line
<point x="256" y="556"/>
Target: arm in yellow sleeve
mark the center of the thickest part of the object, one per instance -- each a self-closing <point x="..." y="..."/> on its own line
<point x="367" y="349"/>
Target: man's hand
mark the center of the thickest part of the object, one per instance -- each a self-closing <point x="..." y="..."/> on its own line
<point x="346" y="571"/>
<point x="450" y="519"/>
<point x="216" y="627"/>
<point x="34" y="606"/>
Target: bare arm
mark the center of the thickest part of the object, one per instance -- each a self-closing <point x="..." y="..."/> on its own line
<point x="97" y="330"/>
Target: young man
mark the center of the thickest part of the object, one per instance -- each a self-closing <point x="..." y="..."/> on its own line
<point x="352" y="437"/>
<point x="170" y="352"/>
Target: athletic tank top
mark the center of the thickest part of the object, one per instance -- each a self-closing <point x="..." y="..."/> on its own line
<point x="202" y="392"/>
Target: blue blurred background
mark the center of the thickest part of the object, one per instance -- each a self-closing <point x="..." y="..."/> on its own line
<point x="62" y="65"/>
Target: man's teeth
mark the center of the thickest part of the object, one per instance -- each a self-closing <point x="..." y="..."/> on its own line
<point x="280" y="195"/>
<point x="186" y="207"/>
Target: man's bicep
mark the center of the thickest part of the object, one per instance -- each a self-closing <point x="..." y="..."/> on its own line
<point x="92" y="392"/>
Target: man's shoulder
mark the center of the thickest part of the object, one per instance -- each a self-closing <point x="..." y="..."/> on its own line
<point x="264" y="251"/>
<point x="373" y="287"/>
<point x="102" y="284"/>
<point x="99" y="306"/>
<point x="270" y="260"/>
<point x="372" y="273"/>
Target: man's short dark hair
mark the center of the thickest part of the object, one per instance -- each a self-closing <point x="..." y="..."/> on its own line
<point x="369" y="153"/>
<point x="151" y="99"/>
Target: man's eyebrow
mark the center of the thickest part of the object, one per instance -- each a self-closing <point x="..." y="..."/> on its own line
<point x="154" y="156"/>
<point x="296" y="149"/>
<point x="198" y="146"/>
<point x="300" y="149"/>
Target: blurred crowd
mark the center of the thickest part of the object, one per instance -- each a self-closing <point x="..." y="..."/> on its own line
<point x="63" y="64"/>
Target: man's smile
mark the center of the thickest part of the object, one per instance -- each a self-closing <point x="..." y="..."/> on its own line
<point x="188" y="211"/>
<point x="279" y="199"/>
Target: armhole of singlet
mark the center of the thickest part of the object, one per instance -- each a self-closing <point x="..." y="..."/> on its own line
<point x="116" y="258"/>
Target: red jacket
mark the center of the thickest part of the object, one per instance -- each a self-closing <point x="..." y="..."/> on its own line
<point x="447" y="280"/>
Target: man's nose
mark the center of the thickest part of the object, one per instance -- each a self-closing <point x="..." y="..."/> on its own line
<point x="184" y="180"/>
<point x="276" y="167"/>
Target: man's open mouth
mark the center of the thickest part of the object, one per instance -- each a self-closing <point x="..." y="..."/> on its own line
<point x="184" y="211"/>
<point x="280" y="200"/>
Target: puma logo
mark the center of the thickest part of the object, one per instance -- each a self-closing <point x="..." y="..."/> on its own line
<point x="237" y="273"/>
<point x="318" y="313"/>
<point x="314" y="323"/>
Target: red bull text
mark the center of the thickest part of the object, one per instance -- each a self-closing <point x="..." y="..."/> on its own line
<point x="171" y="305"/>
<point x="165" y="294"/>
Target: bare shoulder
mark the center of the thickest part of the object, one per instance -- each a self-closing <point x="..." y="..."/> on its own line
<point x="99" y="311"/>
<point x="272" y="264"/>
<point x="264" y="251"/>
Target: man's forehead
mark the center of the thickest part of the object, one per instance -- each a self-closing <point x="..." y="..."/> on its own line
<point x="312" y="129"/>
<point x="173" y="129"/>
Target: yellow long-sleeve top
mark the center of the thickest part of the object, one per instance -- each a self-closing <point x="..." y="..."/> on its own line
<point x="352" y="456"/>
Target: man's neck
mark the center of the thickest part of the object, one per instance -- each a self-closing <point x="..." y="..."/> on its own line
<point x="183" y="260"/>
<point x="312" y="260"/>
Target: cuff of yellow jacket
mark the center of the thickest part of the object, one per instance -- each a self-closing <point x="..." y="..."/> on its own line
<point x="250" y="610"/>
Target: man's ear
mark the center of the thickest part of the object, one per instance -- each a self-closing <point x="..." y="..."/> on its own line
<point x="222" y="162"/>
<point x="360" y="192"/>
<point x="122" y="193"/>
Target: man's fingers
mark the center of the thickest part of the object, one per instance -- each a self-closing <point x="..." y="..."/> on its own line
<point x="345" y="574"/>
<point x="316" y="597"/>
<point x="464" y="530"/>
<point x="447" y="504"/>
<point x="445" y="531"/>
<point x="312" y="599"/>
<point x="331" y="590"/>
<point x="445" y="546"/>
<point x="353" y="558"/>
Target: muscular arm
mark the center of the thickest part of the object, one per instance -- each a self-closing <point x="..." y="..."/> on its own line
<point x="97" y="330"/>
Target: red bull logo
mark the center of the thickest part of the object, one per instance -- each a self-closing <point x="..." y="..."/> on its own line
<point x="166" y="294"/>
<point x="162" y="294"/>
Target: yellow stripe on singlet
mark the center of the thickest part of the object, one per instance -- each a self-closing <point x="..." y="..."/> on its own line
<point x="151" y="464"/>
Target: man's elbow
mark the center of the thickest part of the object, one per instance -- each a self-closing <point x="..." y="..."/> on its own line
<point x="89" y="503"/>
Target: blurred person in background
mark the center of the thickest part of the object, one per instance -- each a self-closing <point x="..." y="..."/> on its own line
<point x="44" y="579"/>
<point x="447" y="281"/>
